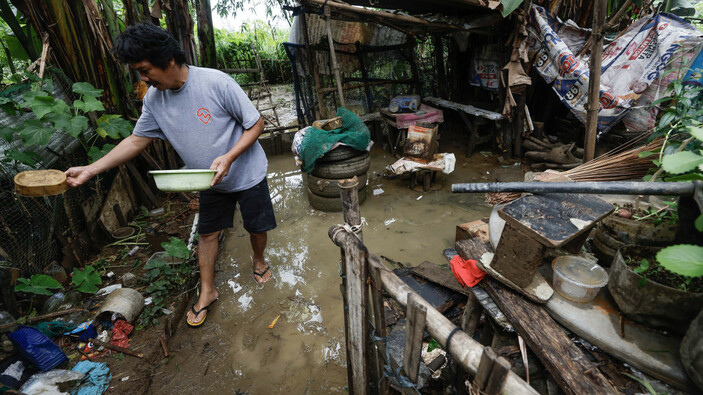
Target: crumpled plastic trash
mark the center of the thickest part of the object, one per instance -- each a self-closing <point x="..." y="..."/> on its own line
<point x="96" y="380"/>
<point x="120" y="333"/>
<point x="48" y="382"/>
<point x="465" y="271"/>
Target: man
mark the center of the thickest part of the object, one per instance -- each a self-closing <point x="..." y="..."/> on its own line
<point x="212" y="124"/>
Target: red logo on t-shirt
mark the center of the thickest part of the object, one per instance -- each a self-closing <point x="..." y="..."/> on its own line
<point x="203" y="115"/>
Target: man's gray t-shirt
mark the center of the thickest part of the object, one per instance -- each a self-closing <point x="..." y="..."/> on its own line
<point x="203" y="120"/>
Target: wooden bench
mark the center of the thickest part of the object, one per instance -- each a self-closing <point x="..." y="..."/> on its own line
<point x="467" y="112"/>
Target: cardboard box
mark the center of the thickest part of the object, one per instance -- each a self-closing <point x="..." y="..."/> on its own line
<point x="421" y="141"/>
<point x="469" y="230"/>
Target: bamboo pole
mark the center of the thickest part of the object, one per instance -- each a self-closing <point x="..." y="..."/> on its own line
<point x="312" y="65"/>
<point x="389" y="16"/>
<point x="367" y="84"/>
<point x="463" y="348"/>
<point x="333" y="57"/>
<point x="594" y="81"/>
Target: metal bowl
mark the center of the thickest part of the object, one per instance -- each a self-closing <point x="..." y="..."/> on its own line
<point x="183" y="180"/>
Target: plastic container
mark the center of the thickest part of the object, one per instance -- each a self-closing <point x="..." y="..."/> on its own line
<point x="495" y="226"/>
<point x="33" y="346"/>
<point x="578" y="279"/>
<point x="183" y="180"/>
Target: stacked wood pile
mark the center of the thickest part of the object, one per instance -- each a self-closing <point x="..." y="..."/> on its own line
<point x="547" y="155"/>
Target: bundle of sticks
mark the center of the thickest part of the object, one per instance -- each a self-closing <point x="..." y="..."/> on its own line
<point x="622" y="163"/>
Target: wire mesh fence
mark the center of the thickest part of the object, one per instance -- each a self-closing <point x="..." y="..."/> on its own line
<point x="36" y="231"/>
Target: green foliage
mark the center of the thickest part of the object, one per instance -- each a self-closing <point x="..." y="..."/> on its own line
<point x="161" y="277"/>
<point x="86" y="280"/>
<point x="432" y="345"/>
<point x="681" y="126"/>
<point x="53" y="115"/>
<point x="234" y="50"/>
<point x="682" y="259"/>
<point x="176" y="248"/>
<point x="38" y="284"/>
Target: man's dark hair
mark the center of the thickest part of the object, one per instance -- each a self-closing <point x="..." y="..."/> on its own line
<point x="145" y="41"/>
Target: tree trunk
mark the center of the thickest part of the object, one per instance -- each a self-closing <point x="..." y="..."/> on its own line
<point x="81" y="47"/>
<point x="206" y="34"/>
<point x="11" y="19"/>
<point x="180" y="25"/>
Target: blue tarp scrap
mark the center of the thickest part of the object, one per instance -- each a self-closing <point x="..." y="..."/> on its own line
<point x="97" y="378"/>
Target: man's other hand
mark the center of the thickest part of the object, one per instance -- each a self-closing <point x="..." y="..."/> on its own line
<point x="76" y="176"/>
<point x="222" y="165"/>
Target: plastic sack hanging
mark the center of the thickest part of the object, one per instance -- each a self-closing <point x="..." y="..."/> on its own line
<point x="33" y="346"/>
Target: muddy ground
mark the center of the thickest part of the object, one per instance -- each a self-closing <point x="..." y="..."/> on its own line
<point x="236" y="351"/>
<point x="303" y="353"/>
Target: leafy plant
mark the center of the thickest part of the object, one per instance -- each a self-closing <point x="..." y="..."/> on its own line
<point x="162" y="277"/>
<point x="177" y="248"/>
<point x="432" y="345"/>
<point x="641" y="269"/>
<point x="681" y="159"/>
<point x="38" y="284"/>
<point x="86" y="280"/>
<point x="54" y="115"/>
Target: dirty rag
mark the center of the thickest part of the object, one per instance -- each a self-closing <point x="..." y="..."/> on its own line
<point x="54" y="328"/>
<point x="97" y="378"/>
<point x="120" y="332"/>
<point x="465" y="271"/>
<point x="317" y="142"/>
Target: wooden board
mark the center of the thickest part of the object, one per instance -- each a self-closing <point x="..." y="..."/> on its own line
<point x="557" y="218"/>
<point x="436" y="274"/>
<point x="574" y="373"/>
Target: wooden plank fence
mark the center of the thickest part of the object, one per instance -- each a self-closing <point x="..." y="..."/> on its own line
<point x="362" y="271"/>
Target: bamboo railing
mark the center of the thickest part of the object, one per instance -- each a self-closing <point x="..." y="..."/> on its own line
<point x="362" y="271"/>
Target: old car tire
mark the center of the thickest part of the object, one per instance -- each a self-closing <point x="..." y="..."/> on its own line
<point x="323" y="203"/>
<point x="343" y="169"/>
<point x="330" y="187"/>
<point x="340" y="153"/>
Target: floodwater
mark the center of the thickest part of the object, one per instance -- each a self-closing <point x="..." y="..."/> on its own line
<point x="236" y="351"/>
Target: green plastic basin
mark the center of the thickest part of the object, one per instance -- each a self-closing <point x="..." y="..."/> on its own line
<point x="184" y="180"/>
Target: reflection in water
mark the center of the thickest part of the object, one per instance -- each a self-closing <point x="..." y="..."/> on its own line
<point x="304" y="351"/>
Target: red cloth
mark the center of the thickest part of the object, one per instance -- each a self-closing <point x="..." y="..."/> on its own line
<point x="466" y="271"/>
<point x="120" y="332"/>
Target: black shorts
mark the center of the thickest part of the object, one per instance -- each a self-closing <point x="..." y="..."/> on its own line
<point x="217" y="209"/>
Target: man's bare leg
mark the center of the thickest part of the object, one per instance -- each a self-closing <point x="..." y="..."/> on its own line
<point x="207" y="254"/>
<point x="258" y="244"/>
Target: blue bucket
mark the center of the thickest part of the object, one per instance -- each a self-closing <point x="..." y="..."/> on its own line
<point x="33" y="346"/>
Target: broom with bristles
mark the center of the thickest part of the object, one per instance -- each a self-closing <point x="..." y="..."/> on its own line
<point x="622" y="163"/>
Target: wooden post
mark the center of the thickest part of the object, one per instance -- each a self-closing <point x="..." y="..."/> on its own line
<point x="357" y="297"/>
<point x="439" y="65"/>
<point x="492" y="372"/>
<point x="594" y="81"/>
<point x="333" y="56"/>
<point x="414" y="330"/>
<point x="413" y="64"/>
<point x="365" y="74"/>
<point x="379" y="321"/>
<point x="312" y="65"/>
<point x="350" y="203"/>
<point x="472" y="314"/>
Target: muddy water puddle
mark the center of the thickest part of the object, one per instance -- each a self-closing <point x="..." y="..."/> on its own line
<point x="236" y="351"/>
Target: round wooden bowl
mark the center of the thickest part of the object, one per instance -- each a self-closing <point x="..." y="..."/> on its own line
<point x="40" y="183"/>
